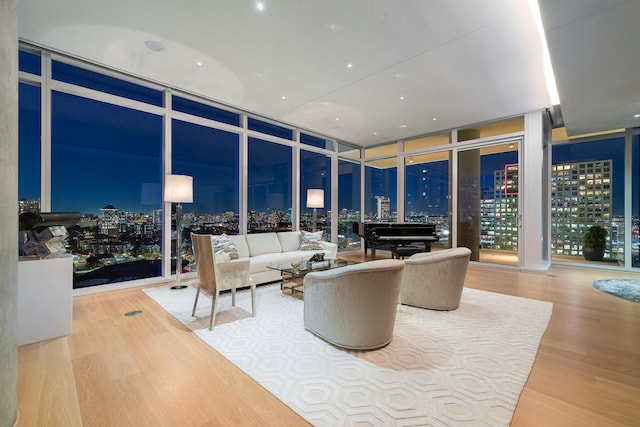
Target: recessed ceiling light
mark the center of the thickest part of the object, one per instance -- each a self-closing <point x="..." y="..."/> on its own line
<point x="349" y="65"/>
<point x="434" y="119"/>
<point x="403" y="126"/>
<point x="199" y="63"/>
<point x="402" y="97"/>
<point x="337" y="118"/>
<point x="260" y="6"/>
<point x="375" y="133"/>
<point x="154" y="45"/>
<point x="284" y="97"/>
<point x="636" y="116"/>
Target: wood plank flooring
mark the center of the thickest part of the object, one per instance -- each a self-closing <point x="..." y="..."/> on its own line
<point x="149" y="370"/>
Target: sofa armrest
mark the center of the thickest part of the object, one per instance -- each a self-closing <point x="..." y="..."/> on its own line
<point x="332" y="248"/>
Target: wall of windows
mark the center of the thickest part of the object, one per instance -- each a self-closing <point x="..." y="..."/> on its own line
<point x="100" y="148"/>
<point x="107" y="136"/>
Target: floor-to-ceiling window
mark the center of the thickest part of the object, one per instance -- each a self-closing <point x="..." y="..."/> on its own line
<point x="349" y="195"/>
<point x="29" y="134"/>
<point x="212" y="157"/>
<point x="488" y="188"/>
<point x="427" y="179"/>
<point x="588" y="188"/>
<point x="269" y="201"/>
<point x="102" y="156"/>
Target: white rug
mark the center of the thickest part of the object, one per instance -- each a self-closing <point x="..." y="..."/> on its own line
<point x="465" y="367"/>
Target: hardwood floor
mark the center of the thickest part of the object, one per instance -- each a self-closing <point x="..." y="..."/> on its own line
<point x="149" y="370"/>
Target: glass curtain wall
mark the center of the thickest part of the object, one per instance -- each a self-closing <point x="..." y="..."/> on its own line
<point x="315" y="173"/>
<point x="587" y="189"/>
<point x="212" y="157"/>
<point x="103" y="156"/>
<point x="269" y="186"/>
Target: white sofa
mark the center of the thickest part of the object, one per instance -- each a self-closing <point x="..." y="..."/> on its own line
<point x="264" y="249"/>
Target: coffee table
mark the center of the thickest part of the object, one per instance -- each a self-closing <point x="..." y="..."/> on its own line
<point x="297" y="270"/>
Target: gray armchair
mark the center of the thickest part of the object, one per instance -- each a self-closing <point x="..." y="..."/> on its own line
<point x="435" y="279"/>
<point x="355" y="306"/>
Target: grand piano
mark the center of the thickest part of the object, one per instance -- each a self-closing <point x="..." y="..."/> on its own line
<point x="395" y="234"/>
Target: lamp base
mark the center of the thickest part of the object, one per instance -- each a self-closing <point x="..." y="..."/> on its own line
<point x="178" y="286"/>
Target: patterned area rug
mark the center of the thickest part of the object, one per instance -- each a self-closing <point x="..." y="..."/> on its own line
<point x="443" y="368"/>
<point x="628" y="289"/>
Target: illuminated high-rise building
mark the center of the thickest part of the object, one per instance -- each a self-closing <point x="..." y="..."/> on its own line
<point x="580" y="197"/>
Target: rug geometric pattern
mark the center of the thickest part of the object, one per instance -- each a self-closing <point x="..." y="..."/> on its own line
<point x="443" y="368"/>
<point x="628" y="289"/>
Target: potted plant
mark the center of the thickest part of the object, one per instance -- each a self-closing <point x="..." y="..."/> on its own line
<point x="594" y="243"/>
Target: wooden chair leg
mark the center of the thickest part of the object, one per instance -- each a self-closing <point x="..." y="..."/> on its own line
<point x="214" y="305"/>
<point x="195" y="303"/>
<point x="233" y="297"/>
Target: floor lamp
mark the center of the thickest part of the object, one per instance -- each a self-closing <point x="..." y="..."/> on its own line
<point x="178" y="189"/>
<point x="315" y="199"/>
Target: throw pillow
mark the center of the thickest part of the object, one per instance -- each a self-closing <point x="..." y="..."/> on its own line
<point x="310" y="241"/>
<point x="223" y="245"/>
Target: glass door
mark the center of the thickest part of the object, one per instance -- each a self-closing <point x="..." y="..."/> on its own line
<point x="488" y="205"/>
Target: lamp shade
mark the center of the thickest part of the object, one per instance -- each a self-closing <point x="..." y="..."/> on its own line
<point x="315" y="198"/>
<point x="178" y="188"/>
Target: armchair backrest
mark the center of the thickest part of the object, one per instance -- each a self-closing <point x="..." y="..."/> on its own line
<point x="205" y="260"/>
<point x="217" y="276"/>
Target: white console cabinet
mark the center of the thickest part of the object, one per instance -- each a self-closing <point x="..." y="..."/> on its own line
<point x="45" y="300"/>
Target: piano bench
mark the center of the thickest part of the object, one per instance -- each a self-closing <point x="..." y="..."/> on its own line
<point x="400" y="252"/>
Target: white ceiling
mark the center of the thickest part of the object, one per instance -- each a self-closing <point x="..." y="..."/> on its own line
<point x="595" y="52"/>
<point x="454" y="62"/>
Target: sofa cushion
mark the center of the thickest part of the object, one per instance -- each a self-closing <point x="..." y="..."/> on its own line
<point x="223" y="247"/>
<point x="310" y="241"/>
<point x="289" y="240"/>
<point x="263" y="243"/>
<point x="241" y="245"/>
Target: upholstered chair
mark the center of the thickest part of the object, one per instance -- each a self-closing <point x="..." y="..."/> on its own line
<point x="214" y="277"/>
<point x="354" y="307"/>
<point x="435" y="280"/>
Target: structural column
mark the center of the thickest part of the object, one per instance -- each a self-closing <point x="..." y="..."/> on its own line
<point x="8" y="211"/>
